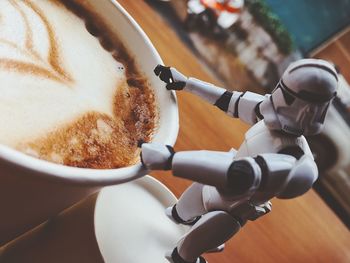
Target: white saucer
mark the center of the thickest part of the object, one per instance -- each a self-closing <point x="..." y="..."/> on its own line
<point x="130" y="223"/>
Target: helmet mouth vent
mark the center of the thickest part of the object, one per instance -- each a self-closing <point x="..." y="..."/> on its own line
<point x="292" y="130"/>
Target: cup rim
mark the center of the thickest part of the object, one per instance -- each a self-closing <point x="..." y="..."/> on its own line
<point x="88" y="176"/>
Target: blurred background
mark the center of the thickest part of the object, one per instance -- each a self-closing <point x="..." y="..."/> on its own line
<point x="247" y="44"/>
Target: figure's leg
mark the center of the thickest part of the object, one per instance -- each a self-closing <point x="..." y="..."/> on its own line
<point x="212" y="230"/>
<point x="189" y="207"/>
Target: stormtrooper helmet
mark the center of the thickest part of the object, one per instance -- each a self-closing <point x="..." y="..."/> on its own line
<point x="299" y="102"/>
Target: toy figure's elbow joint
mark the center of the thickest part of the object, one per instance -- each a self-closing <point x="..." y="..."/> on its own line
<point x="224" y="101"/>
<point x="245" y="106"/>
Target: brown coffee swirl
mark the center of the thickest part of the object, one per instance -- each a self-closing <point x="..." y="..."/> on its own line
<point x="66" y="99"/>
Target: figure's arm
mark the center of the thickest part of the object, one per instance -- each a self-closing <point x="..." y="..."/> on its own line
<point x="279" y="174"/>
<point x="207" y="167"/>
<point x="243" y="105"/>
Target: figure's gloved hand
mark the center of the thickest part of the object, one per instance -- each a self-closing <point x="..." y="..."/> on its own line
<point x="260" y="210"/>
<point x="155" y="156"/>
<point x="173" y="78"/>
<point x="267" y="207"/>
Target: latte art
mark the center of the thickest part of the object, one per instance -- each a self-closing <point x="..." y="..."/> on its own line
<point x="23" y="50"/>
<point x="68" y="94"/>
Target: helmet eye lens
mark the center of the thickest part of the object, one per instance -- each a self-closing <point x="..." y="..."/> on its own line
<point x="307" y="96"/>
<point x="289" y="98"/>
<point x="315" y="98"/>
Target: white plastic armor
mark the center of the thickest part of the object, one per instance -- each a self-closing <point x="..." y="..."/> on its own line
<point x="236" y="104"/>
<point x="207" y="91"/>
<point x="274" y="159"/>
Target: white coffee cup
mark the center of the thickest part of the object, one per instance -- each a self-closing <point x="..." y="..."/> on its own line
<point x="33" y="190"/>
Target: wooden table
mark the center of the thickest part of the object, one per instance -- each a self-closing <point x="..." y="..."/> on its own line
<point x="299" y="230"/>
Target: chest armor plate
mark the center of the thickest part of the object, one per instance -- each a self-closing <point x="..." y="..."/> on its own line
<point x="259" y="139"/>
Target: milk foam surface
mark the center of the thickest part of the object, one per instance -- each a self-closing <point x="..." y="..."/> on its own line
<point x="32" y="103"/>
<point x="54" y="73"/>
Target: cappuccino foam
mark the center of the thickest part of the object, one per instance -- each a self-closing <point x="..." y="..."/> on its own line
<point x="69" y="94"/>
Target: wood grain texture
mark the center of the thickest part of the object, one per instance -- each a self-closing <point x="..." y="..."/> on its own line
<point x="337" y="51"/>
<point x="299" y="230"/>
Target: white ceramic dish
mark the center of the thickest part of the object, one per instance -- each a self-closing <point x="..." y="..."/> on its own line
<point x="32" y="190"/>
<point x="136" y="229"/>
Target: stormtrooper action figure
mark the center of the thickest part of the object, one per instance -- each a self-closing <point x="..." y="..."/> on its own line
<point x="273" y="161"/>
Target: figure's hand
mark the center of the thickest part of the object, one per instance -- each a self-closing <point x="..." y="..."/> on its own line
<point x="260" y="210"/>
<point x="156" y="156"/>
<point x="267" y="207"/>
<point x="173" y="78"/>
